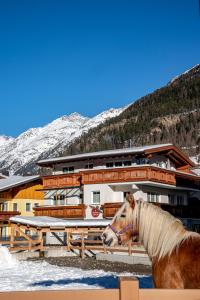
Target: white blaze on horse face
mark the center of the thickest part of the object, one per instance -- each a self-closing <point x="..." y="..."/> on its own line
<point x="109" y="237"/>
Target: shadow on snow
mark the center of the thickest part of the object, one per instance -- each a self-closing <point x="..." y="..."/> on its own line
<point x="110" y="281"/>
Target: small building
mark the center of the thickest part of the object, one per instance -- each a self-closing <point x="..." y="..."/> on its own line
<point x="18" y="195"/>
<point x="93" y="185"/>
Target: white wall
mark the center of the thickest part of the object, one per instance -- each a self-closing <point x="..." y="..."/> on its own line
<point x="107" y="194"/>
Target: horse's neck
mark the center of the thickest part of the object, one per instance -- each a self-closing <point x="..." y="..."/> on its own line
<point x="159" y="232"/>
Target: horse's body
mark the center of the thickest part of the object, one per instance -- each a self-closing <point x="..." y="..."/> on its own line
<point x="181" y="269"/>
<point x="174" y="251"/>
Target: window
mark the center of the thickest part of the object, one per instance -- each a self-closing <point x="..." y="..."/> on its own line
<point x="14" y="206"/>
<point x="127" y="163"/>
<point x="109" y="165"/>
<point x="96" y="197"/>
<point x="171" y="199"/>
<point x="61" y="199"/>
<point x="5" y="207"/>
<point x="36" y="204"/>
<point x="142" y="161"/>
<point x="118" y="164"/>
<point x="152" y="197"/>
<point x="89" y="166"/>
<point x="54" y="200"/>
<point x="28" y="206"/>
<point x="180" y="200"/>
<point x="68" y="169"/>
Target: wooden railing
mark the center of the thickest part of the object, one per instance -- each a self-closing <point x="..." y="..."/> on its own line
<point x="131" y="174"/>
<point x="6" y="215"/>
<point x="110" y="209"/>
<point x="61" y="211"/>
<point x="65" y="180"/>
<point x="128" y="290"/>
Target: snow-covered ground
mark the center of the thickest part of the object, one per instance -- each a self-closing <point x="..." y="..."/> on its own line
<point x="39" y="275"/>
<point x="28" y="275"/>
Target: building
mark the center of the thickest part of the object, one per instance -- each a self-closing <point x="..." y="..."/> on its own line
<point x="100" y="180"/>
<point x="18" y="195"/>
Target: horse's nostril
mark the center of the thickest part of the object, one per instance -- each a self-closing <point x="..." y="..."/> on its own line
<point x="104" y="236"/>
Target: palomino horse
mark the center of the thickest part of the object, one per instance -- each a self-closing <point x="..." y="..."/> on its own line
<point x="174" y="251"/>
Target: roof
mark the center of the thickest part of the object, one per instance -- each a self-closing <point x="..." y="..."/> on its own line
<point x="42" y="221"/>
<point x="132" y="150"/>
<point x="14" y="181"/>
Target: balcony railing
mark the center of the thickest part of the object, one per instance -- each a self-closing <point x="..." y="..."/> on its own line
<point x="110" y="209"/>
<point x="6" y="215"/>
<point x="65" y="180"/>
<point x="61" y="211"/>
<point x="131" y="174"/>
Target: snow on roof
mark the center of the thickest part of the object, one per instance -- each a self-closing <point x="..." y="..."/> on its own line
<point x="102" y="153"/>
<point x="12" y="181"/>
<point x="196" y="171"/>
<point x="55" y="222"/>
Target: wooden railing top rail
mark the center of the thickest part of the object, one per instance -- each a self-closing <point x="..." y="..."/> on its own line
<point x="128" y="290"/>
<point x="10" y="212"/>
<point x="58" y="207"/>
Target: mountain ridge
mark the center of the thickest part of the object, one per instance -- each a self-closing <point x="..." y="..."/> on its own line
<point x="41" y="141"/>
<point x="169" y="114"/>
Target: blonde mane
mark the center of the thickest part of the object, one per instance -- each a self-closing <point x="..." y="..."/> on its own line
<point x="159" y="231"/>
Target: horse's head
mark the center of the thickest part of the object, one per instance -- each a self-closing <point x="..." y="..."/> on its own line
<point x="123" y="226"/>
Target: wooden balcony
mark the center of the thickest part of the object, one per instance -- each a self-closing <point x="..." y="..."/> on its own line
<point x="61" y="211"/>
<point x="6" y="215"/>
<point x="132" y="174"/>
<point x="110" y="209"/>
<point x="64" y="180"/>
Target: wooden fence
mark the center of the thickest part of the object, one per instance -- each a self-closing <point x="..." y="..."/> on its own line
<point x="128" y="290"/>
<point x="83" y="241"/>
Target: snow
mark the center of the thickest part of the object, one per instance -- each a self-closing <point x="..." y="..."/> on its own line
<point x="37" y="142"/>
<point x="43" y="221"/>
<point x="14" y="180"/>
<point x="103" y="153"/>
<point x="40" y="275"/>
<point x="27" y="275"/>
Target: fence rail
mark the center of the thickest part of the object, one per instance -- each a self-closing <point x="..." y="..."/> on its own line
<point x="84" y="241"/>
<point x="128" y="290"/>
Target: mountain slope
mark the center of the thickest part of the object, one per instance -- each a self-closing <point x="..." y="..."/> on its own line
<point x="170" y="114"/>
<point x="18" y="156"/>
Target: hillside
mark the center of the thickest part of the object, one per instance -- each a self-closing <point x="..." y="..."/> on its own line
<point x="170" y="114"/>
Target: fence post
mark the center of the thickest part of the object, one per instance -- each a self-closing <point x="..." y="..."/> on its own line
<point x="129" y="288"/>
<point x="82" y="246"/>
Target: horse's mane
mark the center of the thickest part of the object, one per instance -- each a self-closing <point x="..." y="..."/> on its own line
<point x="159" y="231"/>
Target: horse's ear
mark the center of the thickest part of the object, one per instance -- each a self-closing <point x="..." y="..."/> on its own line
<point x="131" y="200"/>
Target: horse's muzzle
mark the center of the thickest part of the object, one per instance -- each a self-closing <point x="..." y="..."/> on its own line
<point x="105" y="239"/>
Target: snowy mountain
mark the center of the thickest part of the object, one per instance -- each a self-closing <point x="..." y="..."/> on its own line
<point x="21" y="153"/>
<point x="4" y="140"/>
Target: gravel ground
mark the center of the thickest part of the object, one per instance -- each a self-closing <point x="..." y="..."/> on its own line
<point x="92" y="264"/>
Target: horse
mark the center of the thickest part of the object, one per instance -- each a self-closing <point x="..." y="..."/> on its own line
<point x="173" y="250"/>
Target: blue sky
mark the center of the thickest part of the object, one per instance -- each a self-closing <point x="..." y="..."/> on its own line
<point x="57" y="57"/>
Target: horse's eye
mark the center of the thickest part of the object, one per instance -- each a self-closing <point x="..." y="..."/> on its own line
<point x="123" y="216"/>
